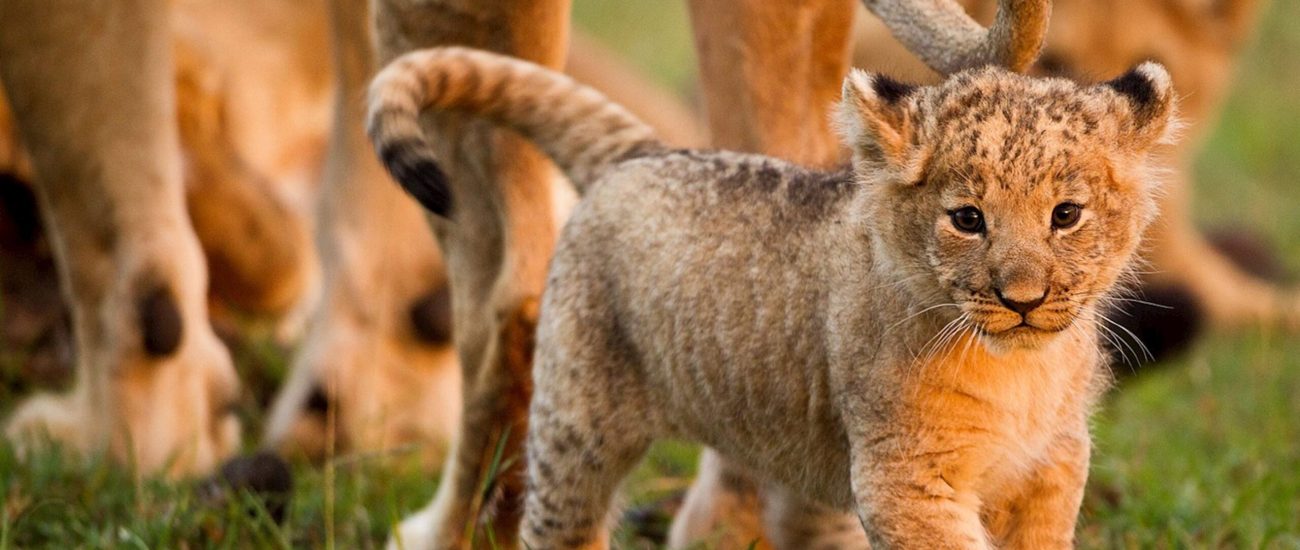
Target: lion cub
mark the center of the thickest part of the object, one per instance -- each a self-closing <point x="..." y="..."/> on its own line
<point x="914" y="339"/>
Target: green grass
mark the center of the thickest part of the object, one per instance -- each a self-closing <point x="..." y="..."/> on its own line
<point x="1203" y="453"/>
<point x="56" y="501"/>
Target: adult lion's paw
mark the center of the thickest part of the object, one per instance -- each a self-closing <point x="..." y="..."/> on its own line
<point x="416" y="532"/>
<point x="47" y="418"/>
<point x="160" y="398"/>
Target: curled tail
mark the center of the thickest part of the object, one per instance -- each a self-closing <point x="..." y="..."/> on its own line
<point x="579" y="128"/>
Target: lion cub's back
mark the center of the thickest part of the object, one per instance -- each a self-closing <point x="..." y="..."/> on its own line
<point x="707" y="266"/>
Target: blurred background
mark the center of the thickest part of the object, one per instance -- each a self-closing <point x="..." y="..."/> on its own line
<point x="1202" y="451"/>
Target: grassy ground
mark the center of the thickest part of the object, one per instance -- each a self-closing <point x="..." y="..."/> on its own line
<point x="1203" y="453"/>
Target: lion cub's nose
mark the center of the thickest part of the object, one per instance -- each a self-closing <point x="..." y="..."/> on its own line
<point x="1021" y="300"/>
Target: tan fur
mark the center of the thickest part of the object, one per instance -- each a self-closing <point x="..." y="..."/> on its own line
<point x="1199" y="42"/>
<point x="827" y="294"/>
<point x="252" y="237"/>
<point x="1196" y="39"/>
<point x="386" y="385"/>
<point x="258" y="250"/>
<point x="398" y="314"/>
<point x="363" y="365"/>
<point x="247" y="172"/>
<point x="252" y="120"/>
<point x="751" y="106"/>
<point x="13" y="156"/>
<point x="253" y="106"/>
<point x="598" y="132"/>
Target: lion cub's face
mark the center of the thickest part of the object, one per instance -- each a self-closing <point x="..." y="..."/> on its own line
<point x="1020" y="201"/>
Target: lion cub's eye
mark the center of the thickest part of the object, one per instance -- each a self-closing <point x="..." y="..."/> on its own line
<point x="968" y="219"/>
<point x="1065" y="215"/>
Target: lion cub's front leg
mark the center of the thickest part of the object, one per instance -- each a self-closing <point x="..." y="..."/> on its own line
<point x="1043" y="514"/>
<point x="906" y="502"/>
<point x="924" y="495"/>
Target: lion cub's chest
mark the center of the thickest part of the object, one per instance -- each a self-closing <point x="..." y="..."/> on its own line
<point x="986" y="419"/>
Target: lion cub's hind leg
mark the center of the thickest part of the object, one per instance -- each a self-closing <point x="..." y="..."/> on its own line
<point x="578" y="453"/>
<point x="590" y="423"/>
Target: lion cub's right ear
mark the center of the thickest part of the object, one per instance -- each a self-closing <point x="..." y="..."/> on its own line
<point x="1150" y="113"/>
<point x="876" y="121"/>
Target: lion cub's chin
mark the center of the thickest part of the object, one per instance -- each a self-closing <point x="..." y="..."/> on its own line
<point x="1020" y="338"/>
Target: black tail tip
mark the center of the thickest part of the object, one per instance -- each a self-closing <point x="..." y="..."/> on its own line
<point x="424" y="180"/>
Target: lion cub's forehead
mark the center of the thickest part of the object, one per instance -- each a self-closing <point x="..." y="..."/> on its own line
<point x="991" y="125"/>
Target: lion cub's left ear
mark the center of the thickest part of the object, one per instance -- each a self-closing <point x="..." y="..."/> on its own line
<point x="875" y="120"/>
<point x="1147" y="93"/>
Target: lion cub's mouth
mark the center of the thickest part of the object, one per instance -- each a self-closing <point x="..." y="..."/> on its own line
<point x="1022" y="334"/>
<point x="1026" y="328"/>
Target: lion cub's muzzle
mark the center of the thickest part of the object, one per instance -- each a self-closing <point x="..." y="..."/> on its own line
<point x="1022" y="315"/>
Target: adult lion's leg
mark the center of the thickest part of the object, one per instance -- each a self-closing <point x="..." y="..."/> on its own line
<point x="496" y="247"/>
<point x="794" y="522"/>
<point x="722" y="509"/>
<point x="770" y="72"/>
<point x="90" y="85"/>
